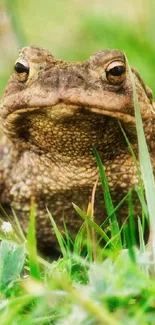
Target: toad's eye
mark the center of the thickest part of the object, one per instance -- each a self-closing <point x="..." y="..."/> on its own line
<point x="115" y="72"/>
<point x="21" y="68"/>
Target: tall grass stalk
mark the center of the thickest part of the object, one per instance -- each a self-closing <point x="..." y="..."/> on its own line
<point x="145" y="164"/>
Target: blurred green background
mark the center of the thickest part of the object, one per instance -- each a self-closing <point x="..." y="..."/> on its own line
<point x="74" y="30"/>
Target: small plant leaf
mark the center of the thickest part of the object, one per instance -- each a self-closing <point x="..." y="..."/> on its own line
<point x="12" y="258"/>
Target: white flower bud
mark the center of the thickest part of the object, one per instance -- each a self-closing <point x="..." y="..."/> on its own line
<point x="6" y="227"/>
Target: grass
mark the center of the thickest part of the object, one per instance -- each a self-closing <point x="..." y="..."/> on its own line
<point x="111" y="289"/>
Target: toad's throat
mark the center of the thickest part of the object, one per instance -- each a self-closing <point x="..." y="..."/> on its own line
<point x="66" y="132"/>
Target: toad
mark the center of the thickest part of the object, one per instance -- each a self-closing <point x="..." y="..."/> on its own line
<point x="53" y="114"/>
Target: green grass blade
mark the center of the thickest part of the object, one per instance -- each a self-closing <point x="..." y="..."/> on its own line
<point x="32" y="245"/>
<point x="141" y="238"/>
<point x="20" y="230"/>
<point x="140" y="190"/>
<point x="133" y="156"/>
<point x="58" y="235"/>
<point x="132" y="229"/>
<point x="143" y="202"/>
<point x="68" y="239"/>
<point x="129" y="244"/>
<point x="114" y="226"/>
<point x="89" y="243"/>
<point x="79" y="240"/>
<point x="93" y="224"/>
<point x="15" y="307"/>
<point x="116" y="208"/>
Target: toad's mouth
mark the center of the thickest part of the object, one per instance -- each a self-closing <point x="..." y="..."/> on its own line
<point x="76" y="127"/>
<point x="61" y="110"/>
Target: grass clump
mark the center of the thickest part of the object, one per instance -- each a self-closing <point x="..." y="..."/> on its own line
<point x="116" y="290"/>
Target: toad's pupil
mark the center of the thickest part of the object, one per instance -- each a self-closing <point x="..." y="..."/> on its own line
<point x="20" y="68"/>
<point x="117" y="71"/>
